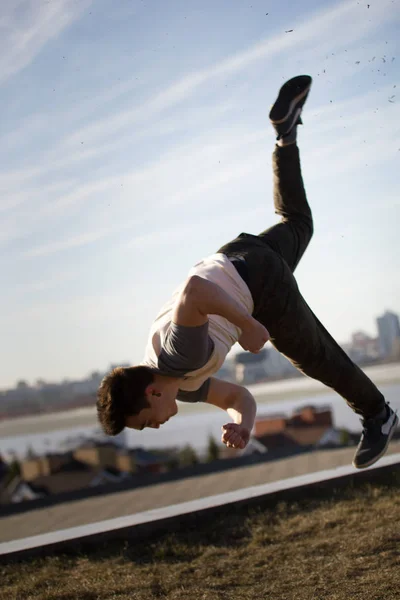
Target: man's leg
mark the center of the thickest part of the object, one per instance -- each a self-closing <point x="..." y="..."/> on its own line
<point x="298" y="334"/>
<point x="291" y="236"/>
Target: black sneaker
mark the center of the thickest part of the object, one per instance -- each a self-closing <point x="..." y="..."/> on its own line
<point x="375" y="438"/>
<point x="285" y="113"/>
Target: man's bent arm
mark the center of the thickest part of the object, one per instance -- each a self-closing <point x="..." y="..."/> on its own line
<point x="201" y="298"/>
<point x="235" y="400"/>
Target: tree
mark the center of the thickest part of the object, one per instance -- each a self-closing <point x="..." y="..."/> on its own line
<point x="188" y="457"/>
<point x="30" y="453"/>
<point x="344" y="437"/>
<point x="213" y="449"/>
<point x="13" y="470"/>
<point x="22" y="385"/>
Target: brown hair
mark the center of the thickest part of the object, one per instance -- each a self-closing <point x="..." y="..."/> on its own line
<point x="120" y="394"/>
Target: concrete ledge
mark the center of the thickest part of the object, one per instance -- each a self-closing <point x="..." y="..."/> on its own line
<point x="176" y="516"/>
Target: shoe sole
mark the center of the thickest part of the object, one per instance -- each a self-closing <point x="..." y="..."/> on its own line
<point x="285" y="102"/>
<point x="374" y="460"/>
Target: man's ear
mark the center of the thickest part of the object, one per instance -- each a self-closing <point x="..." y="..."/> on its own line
<point x="151" y="391"/>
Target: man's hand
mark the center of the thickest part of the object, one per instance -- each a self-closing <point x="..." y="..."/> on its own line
<point x="235" y="436"/>
<point x="254" y="336"/>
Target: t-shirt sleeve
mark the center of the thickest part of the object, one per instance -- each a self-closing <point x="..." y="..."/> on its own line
<point x="185" y="349"/>
<point x="199" y="395"/>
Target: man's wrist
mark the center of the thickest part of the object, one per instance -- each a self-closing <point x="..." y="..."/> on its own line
<point x="244" y="321"/>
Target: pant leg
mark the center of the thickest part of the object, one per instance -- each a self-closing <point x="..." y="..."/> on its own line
<point x="291" y="236"/>
<point x="298" y="334"/>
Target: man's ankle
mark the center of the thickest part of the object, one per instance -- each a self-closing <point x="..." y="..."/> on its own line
<point x="289" y="139"/>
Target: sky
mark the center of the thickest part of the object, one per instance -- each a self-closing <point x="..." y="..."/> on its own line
<point x="135" y="141"/>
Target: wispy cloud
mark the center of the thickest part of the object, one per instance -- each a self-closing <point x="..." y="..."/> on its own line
<point x="308" y="35"/>
<point x="27" y="25"/>
<point x="314" y="32"/>
<point x="77" y="241"/>
<point x="184" y="170"/>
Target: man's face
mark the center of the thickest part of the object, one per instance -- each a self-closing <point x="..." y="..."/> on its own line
<point x="162" y="408"/>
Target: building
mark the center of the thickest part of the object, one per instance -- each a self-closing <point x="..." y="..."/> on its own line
<point x="363" y="349"/>
<point x="249" y="367"/>
<point x="389" y="332"/>
<point x="70" y="476"/>
<point x="267" y="364"/>
<point x="90" y="465"/>
<point x="304" y="429"/>
<point x="278" y="366"/>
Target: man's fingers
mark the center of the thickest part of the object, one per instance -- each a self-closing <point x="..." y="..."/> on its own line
<point x="231" y="436"/>
<point x="231" y="439"/>
<point x="229" y="426"/>
<point x="234" y="441"/>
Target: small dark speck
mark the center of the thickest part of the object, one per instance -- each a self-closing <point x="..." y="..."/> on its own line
<point x="266" y="14"/>
<point x="368" y="5"/>
<point x="391" y="98"/>
<point x="289" y="31"/>
<point x="357" y="62"/>
<point x="393" y="58"/>
<point x="330" y="100"/>
<point x="383" y="60"/>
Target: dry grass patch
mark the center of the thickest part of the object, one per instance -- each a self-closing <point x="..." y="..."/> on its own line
<point x="345" y="547"/>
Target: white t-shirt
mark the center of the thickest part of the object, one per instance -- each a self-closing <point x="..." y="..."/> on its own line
<point x="163" y="350"/>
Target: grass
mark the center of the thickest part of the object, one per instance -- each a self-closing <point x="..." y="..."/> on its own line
<point x="344" y="544"/>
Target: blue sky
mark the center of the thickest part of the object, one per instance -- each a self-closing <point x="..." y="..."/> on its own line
<point x="135" y="141"/>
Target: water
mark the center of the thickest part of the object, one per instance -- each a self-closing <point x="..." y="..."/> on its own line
<point x="194" y="423"/>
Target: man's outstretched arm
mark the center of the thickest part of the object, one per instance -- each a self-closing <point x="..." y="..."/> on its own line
<point x="200" y="298"/>
<point x="241" y="407"/>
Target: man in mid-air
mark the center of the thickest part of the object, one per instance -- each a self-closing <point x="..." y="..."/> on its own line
<point x="246" y="293"/>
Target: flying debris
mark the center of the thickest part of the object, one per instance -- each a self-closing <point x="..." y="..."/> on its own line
<point x="391" y="98"/>
<point x="289" y="31"/>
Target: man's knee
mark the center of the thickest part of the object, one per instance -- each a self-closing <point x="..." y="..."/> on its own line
<point x="305" y="229"/>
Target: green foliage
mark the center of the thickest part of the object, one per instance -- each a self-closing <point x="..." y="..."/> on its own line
<point x="14" y="470"/>
<point x="344" y="437"/>
<point x="213" y="449"/>
<point x="188" y="457"/>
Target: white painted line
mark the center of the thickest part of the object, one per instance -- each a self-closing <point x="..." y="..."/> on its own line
<point x="165" y="512"/>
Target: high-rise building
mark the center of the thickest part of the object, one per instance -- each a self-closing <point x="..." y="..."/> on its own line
<point x="389" y="332"/>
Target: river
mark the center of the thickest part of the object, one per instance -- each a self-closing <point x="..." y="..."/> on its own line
<point x="194" y="423"/>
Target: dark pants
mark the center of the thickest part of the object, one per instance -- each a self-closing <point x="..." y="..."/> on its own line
<point x="270" y="259"/>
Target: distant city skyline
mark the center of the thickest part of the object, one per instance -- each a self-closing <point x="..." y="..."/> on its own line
<point x="136" y="142"/>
